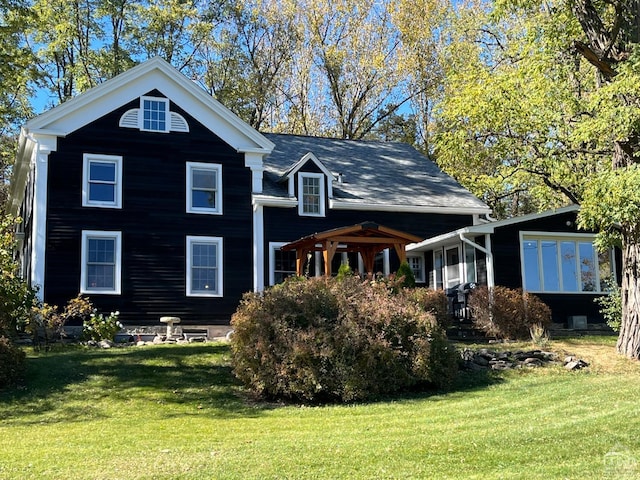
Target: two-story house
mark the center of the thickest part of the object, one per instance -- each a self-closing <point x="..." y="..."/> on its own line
<point x="150" y="197"/>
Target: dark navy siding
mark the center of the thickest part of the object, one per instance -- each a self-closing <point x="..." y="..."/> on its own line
<point x="507" y="266"/>
<point x="153" y="220"/>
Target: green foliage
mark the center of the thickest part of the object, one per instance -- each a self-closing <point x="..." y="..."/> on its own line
<point x="12" y="363"/>
<point x="406" y="276"/>
<point x="344" y="271"/>
<point x="327" y="340"/>
<point x="98" y="327"/>
<point x="611" y="204"/>
<point x="611" y="305"/>
<point x="506" y="313"/>
<point x="16" y="296"/>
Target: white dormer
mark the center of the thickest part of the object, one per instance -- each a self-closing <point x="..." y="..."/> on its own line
<point x="313" y="187"/>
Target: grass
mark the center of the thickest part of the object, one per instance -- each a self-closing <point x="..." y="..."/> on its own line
<point x="175" y="412"/>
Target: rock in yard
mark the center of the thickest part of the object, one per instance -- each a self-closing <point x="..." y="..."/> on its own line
<point x="576" y="365"/>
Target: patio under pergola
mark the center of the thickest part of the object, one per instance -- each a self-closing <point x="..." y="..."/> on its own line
<point x="367" y="239"/>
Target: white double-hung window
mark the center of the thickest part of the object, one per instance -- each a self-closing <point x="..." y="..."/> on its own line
<point x="204" y="188"/>
<point x="311" y="194"/>
<point x="204" y="266"/>
<point x="563" y="263"/>
<point x="101" y="259"/>
<point x="102" y="181"/>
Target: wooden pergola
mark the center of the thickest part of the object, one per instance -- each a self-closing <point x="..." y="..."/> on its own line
<point x="366" y="238"/>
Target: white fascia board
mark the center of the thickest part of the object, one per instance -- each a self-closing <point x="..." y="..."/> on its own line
<point x="531" y="216"/>
<point x="309" y="156"/>
<point x="130" y="85"/>
<point x="269" y="201"/>
<point x="346" y="205"/>
<point x="20" y="172"/>
<point x="439" y="241"/>
<point x="484" y="228"/>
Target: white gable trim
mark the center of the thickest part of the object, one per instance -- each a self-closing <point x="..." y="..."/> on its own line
<point x="290" y="174"/>
<point x="140" y="80"/>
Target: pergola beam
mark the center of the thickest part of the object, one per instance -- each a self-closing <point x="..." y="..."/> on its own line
<point x="366" y="238"/>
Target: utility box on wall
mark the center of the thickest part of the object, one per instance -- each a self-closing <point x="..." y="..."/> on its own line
<point x="577" y="322"/>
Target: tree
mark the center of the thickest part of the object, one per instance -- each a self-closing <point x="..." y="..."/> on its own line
<point x="511" y="100"/>
<point x="527" y="116"/>
<point x="612" y="201"/>
<point x="355" y="49"/>
<point x="15" y="72"/>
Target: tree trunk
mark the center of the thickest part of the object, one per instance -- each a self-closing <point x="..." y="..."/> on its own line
<point x="629" y="339"/>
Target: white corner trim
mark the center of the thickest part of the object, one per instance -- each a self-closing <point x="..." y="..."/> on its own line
<point x="44" y="145"/>
<point x="254" y="162"/>
<point x="258" y="248"/>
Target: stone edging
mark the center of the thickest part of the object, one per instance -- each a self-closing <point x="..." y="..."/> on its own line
<point x="486" y="359"/>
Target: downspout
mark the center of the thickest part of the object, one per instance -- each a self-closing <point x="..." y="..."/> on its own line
<point x="487" y="252"/>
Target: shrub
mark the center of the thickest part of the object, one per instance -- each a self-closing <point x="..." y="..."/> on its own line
<point x="336" y="340"/>
<point x="434" y="302"/>
<point x="12" y="363"/>
<point x="16" y="296"/>
<point x="506" y="313"/>
<point x="46" y="322"/>
<point x="405" y="276"/>
<point x="611" y="305"/>
<point x="98" y="327"/>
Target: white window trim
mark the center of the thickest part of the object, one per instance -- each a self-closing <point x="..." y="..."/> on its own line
<point x="434" y="271"/>
<point x="561" y="236"/>
<point x="273" y="247"/>
<point x="212" y="240"/>
<point x="422" y="277"/>
<point x="87" y="158"/>
<point x="167" y="121"/>
<point x="204" y="166"/>
<point x="469" y="248"/>
<point x="301" y="176"/>
<point x="459" y="266"/>
<point x="117" y="236"/>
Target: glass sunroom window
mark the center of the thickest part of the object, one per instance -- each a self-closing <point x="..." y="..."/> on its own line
<point x="563" y="264"/>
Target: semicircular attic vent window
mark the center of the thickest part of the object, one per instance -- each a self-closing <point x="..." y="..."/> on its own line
<point x="154" y="116"/>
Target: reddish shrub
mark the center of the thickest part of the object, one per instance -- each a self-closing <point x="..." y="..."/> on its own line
<point x="434" y="302"/>
<point x="506" y="313"/>
<point x="336" y="339"/>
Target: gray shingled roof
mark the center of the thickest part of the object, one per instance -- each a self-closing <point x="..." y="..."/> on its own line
<point x="374" y="173"/>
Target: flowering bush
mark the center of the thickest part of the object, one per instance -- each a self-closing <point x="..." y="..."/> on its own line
<point x="98" y="327"/>
<point x="316" y="340"/>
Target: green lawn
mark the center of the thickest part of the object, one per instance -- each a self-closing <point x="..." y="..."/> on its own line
<point x="175" y="412"/>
